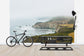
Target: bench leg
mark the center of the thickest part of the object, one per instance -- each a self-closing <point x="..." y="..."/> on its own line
<point x="66" y="44"/>
<point x="45" y="44"/>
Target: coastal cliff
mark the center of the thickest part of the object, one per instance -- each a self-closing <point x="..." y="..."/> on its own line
<point x="54" y="23"/>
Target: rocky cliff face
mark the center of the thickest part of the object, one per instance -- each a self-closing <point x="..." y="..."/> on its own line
<point x="45" y="25"/>
<point x="53" y="23"/>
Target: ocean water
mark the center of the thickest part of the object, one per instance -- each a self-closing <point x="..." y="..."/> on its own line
<point x="20" y="25"/>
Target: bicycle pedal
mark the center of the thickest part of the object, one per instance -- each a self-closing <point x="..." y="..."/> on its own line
<point x="18" y="44"/>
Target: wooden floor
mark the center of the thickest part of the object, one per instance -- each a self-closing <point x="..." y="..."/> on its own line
<point x="34" y="51"/>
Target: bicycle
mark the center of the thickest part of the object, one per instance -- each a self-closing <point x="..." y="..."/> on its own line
<point x="12" y="40"/>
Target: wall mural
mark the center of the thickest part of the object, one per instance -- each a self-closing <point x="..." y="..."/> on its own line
<point x="42" y="18"/>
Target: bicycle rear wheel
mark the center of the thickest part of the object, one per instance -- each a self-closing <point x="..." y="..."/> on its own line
<point x="27" y="41"/>
<point x="11" y="41"/>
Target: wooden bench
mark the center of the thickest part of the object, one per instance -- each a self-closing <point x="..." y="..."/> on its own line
<point x="56" y="40"/>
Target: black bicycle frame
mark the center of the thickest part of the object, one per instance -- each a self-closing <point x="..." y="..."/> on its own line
<point x="23" y="34"/>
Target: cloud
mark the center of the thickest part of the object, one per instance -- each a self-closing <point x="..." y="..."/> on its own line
<point x="40" y="8"/>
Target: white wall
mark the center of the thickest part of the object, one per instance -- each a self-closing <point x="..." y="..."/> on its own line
<point x="4" y="21"/>
<point x="79" y="34"/>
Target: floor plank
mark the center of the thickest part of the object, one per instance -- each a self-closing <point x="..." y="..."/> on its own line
<point x="20" y="50"/>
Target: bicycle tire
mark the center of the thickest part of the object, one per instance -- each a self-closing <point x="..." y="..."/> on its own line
<point x="25" y="40"/>
<point x="14" y="42"/>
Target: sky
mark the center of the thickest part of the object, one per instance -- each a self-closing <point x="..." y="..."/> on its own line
<point x="20" y="9"/>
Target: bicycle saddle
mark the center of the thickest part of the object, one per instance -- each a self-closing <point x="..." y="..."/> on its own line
<point x="14" y="31"/>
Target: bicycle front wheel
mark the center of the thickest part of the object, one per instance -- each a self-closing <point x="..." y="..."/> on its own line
<point x="27" y="41"/>
<point x="11" y="41"/>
